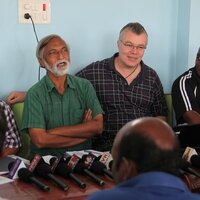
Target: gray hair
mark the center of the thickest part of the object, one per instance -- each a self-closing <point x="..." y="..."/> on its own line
<point x="134" y="27"/>
<point x="43" y="42"/>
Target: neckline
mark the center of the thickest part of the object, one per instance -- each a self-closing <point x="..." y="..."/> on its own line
<point x="132" y="71"/>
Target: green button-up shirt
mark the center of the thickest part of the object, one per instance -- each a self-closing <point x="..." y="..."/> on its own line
<point x="45" y="108"/>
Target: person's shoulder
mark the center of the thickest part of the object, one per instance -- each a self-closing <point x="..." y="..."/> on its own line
<point x="36" y="89"/>
<point x="78" y="80"/>
<point x="187" y="74"/>
<point x="105" y="195"/>
<point x="37" y="85"/>
<point x="95" y="66"/>
<point x="149" y="72"/>
<point x="98" y="63"/>
<point x="147" y="68"/>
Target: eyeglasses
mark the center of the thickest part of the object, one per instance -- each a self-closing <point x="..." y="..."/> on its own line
<point x="130" y="46"/>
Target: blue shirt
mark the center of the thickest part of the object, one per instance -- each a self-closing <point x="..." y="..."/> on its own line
<point x="148" y="186"/>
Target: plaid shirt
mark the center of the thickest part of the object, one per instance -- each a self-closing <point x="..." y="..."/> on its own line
<point x="12" y="137"/>
<point x="122" y="102"/>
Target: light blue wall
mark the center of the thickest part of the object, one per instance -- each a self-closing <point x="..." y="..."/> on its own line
<point x="182" y="38"/>
<point x="194" y="32"/>
<point x="91" y="27"/>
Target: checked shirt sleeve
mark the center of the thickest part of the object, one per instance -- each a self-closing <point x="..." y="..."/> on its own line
<point x="12" y="139"/>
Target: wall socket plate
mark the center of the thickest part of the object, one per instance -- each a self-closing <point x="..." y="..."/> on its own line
<point x="39" y="10"/>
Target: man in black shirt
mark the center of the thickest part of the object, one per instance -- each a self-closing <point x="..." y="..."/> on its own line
<point x="186" y="95"/>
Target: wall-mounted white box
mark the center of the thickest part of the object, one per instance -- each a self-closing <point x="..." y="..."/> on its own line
<point x="39" y="10"/>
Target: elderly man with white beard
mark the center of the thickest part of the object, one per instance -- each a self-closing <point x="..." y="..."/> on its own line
<point x="61" y="112"/>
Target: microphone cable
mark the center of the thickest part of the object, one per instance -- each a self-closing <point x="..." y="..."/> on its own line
<point x="28" y="16"/>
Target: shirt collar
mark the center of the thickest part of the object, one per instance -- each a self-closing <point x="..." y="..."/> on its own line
<point x="112" y="64"/>
<point x="50" y="86"/>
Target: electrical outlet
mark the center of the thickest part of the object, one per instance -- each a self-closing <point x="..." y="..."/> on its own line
<point x="39" y="10"/>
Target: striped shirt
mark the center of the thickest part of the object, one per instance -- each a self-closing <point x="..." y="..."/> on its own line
<point x="122" y="102"/>
<point x="186" y="94"/>
<point x="12" y="136"/>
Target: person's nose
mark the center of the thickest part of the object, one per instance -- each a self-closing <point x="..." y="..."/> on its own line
<point x="60" y="55"/>
<point x="134" y="50"/>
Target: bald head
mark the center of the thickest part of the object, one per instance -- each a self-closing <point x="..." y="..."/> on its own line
<point x="153" y="128"/>
<point x="149" y="144"/>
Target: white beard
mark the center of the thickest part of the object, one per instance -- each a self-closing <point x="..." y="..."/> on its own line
<point x="56" y="69"/>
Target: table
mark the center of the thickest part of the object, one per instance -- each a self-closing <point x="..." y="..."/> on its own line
<point x="19" y="190"/>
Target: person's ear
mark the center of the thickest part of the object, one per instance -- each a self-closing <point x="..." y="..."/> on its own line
<point x="41" y="63"/>
<point x="128" y="169"/>
<point x="118" y="44"/>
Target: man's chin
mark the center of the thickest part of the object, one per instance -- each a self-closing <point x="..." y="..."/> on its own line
<point x="61" y="74"/>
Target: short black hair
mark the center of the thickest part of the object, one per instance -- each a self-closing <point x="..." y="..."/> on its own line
<point x="146" y="155"/>
<point x="3" y="128"/>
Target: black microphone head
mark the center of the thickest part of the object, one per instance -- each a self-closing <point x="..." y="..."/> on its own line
<point x="84" y="157"/>
<point x="88" y="157"/>
<point x="98" y="158"/>
<point x="98" y="167"/>
<point x="52" y="160"/>
<point x="43" y="170"/>
<point x="184" y="164"/>
<point x="63" y="170"/>
<point x="62" y="159"/>
<point x="110" y="164"/>
<point x="79" y="168"/>
<point x="195" y="160"/>
<point x="88" y="160"/>
<point x="24" y="174"/>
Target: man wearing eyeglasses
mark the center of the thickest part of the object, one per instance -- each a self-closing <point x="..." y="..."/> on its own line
<point x="126" y="87"/>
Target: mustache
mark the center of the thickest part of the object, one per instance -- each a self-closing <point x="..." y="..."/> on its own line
<point x="63" y="61"/>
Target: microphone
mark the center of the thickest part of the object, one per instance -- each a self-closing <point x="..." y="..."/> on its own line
<point x="107" y="159"/>
<point x="81" y="168"/>
<point x="88" y="161"/>
<point x="14" y="167"/>
<point x="27" y="176"/>
<point x="44" y="170"/>
<point x="186" y="166"/>
<point x="96" y="166"/>
<point x="64" y="171"/>
<point x="191" y="156"/>
<point x="188" y="153"/>
<point x="195" y="160"/>
<point x="100" y="168"/>
<point x="110" y="164"/>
